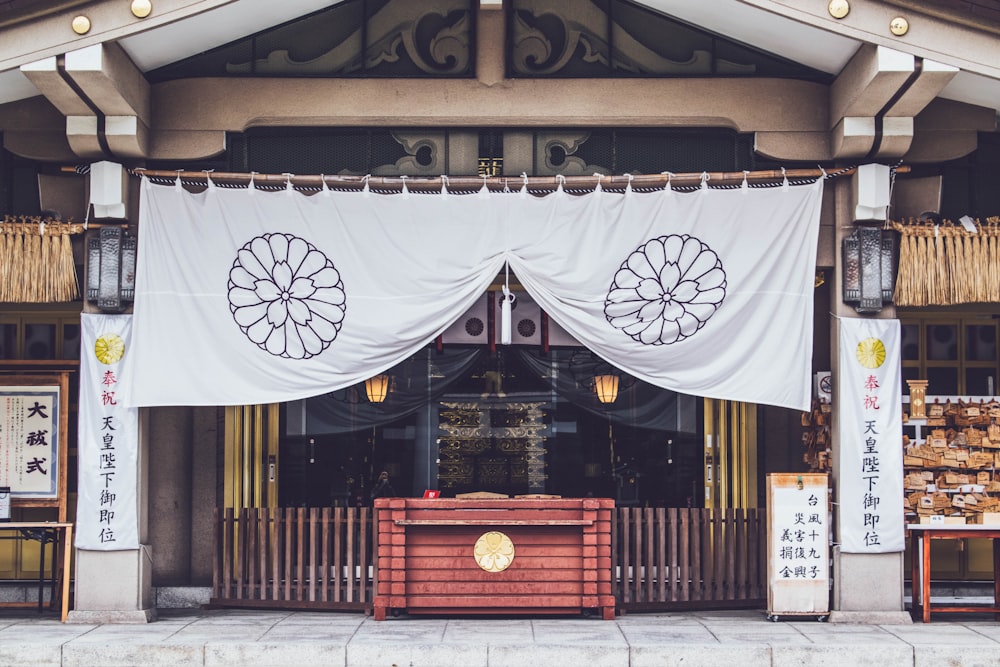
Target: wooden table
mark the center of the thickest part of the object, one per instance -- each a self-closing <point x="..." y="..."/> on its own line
<point x="920" y="571"/>
<point x="60" y="534"/>
<point x="496" y="556"/>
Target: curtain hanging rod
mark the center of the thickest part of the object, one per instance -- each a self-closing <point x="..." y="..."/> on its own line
<point x="498" y="183"/>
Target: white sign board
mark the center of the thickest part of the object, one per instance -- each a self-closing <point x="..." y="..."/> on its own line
<point x="798" y="544"/>
<point x="29" y="441"/>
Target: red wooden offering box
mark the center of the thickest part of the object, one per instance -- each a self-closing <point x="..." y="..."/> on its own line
<point x="443" y="556"/>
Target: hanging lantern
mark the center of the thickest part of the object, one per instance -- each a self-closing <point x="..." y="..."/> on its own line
<point x="869" y="257"/>
<point x="606" y="387"/>
<point x="377" y="387"/>
<point x="112" y="249"/>
<point x="111" y="255"/>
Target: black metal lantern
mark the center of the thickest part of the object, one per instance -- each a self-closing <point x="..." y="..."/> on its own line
<point x="869" y="257"/>
<point x="111" y="269"/>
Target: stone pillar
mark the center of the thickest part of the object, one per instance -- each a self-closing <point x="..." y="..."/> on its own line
<point x="117" y="586"/>
<point x="206" y="440"/>
<point x="867" y="588"/>
<point x="170" y="495"/>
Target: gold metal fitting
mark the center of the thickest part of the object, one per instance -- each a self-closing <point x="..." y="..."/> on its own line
<point x="141" y="8"/>
<point x="494" y="551"/>
<point x="899" y="26"/>
<point x="81" y="25"/>
<point x="838" y="8"/>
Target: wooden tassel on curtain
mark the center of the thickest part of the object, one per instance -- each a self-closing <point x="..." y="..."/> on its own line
<point x="36" y="261"/>
<point x="947" y="264"/>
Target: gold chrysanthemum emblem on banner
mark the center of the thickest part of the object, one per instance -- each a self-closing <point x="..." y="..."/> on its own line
<point x="871" y="352"/>
<point x="494" y="551"/>
<point x="109" y="348"/>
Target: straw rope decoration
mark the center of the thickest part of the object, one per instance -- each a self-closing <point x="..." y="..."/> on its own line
<point x="36" y="260"/>
<point x="940" y="268"/>
<point x="945" y="264"/>
<point x="993" y="260"/>
<point x="907" y="250"/>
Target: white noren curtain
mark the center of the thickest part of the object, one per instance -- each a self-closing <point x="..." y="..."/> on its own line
<point x="246" y="296"/>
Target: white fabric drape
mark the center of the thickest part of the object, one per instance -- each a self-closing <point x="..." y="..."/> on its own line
<point x="108" y="444"/>
<point x="246" y="296"/>
<point x="869" y="397"/>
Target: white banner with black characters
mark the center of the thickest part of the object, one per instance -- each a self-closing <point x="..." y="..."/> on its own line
<point x="246" y="296"/>
<point x="106" y="511"/>
<point x="869" y="399"/>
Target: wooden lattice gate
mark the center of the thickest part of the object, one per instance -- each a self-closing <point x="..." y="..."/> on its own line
<point x="323" y="558"/>
<point x="689" y="558"/>
<point x="294" y="558"/>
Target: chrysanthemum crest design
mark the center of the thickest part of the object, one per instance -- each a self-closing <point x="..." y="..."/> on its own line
<point x="286" y="296"/>
<point x="666" y="290"/>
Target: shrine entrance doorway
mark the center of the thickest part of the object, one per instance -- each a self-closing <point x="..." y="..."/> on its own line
<point x="296" y="528"/>
<point x="509" y="421"/>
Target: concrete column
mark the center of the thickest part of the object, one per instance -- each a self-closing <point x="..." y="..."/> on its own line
<point x="116" y="586"/>
<point x="205" y="440"/>
<point x="170" y="495"/>
<point x="867" y="588"/>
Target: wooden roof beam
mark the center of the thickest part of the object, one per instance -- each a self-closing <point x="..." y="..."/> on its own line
<point x="104" y="96"/>
<point x="875" y="98"/>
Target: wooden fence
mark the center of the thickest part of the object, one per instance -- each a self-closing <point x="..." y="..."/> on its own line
<point x="662" y="558"/>
<point x="294" y="558"/>
<point x="689" y="558"/>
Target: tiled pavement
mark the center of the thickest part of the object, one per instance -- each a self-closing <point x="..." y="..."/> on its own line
<point x="301" y="639"/>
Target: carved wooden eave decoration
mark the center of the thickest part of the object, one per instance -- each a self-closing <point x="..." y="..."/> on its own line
<point x="884" y="105"/>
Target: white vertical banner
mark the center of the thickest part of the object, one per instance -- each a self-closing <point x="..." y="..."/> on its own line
<point x="871" y="451"/>
<point x="107" y="516"/>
